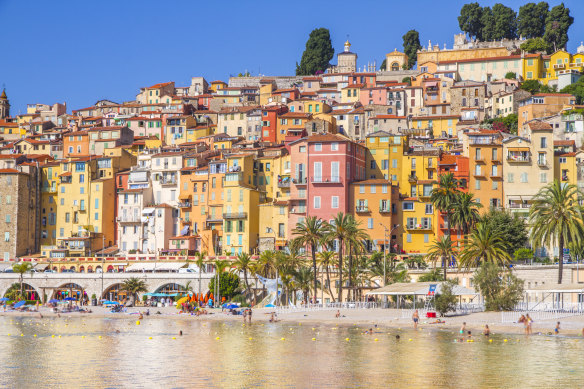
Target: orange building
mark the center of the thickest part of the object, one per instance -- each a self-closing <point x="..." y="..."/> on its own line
<point x="542" y="105"/>
<point x="291" y="120"/>
<point x="75" y="144"/>
<point x="458" y="166"/>
<point x="485" y="158"/>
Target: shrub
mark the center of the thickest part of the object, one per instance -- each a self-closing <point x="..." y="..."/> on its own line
<point x="228" y="285"/>
<point x="446" y="301"/>
<point x="500" y="288"/>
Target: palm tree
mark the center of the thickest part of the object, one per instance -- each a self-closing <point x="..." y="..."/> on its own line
<point x="21" y="268"/>
<point x="340" y="229"/>
<point x="243" y="263"/>
<point x="326" y="259"/>
<point x="310" y="232"/>
<point x="484" y="245"/>
<point x="266" y="265"/>
<point x="465" y="212"/>
<point x="200" y="261"/>
<point x="302" y="279"/>
<point x="444" y="195"/>
<point x="443" y="249"/>
<point x="133" y="286"/>
<point x="556" y="217"/>
<point x="355" y="244"/>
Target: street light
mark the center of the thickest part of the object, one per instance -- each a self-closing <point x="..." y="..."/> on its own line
<point x="385" y="248"/>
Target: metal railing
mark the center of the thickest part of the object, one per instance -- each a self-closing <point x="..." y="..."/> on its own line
<point x="326" y="307"/>
<point x="543" y="311"/>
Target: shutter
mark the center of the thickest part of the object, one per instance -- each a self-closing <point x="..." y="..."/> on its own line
<point x="365" y="204"/>
<point x="380" y="205"/>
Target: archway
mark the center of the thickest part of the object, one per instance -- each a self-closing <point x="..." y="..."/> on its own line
<point x="72" y="268"/>
<point x="110" y="269"/>
<point x="70" y="290"/>
<point x="55" y="269"/>
<point x="394" y="67"/>
<point x="81" y="269"/>
<point x="63" y="268"/>
<point x="98" y="269"/>
<point x="28" y="291"/>
<point x="170" y="289"/>
<point x="90" y="269"/>
<point x="115" y="293"/>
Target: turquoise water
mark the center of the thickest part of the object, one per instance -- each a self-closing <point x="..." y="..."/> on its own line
<point x="79" y="358"/>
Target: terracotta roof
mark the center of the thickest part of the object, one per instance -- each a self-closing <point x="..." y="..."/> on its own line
<point x="537" y="125"/>
<point x="9" y="171"/>
<point x="564" y="142"/>
<point x="66" y="174"/>
<point x="302" y="115"/>
<point x="327" y="138"/>
<point x="159" y="85"/>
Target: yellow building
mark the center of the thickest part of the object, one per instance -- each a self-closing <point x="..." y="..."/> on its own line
<point x="197" y="132"/>
<point x="439" y="125"/>
<point x="385" y="155"/>
<point x="49" y="203"/>
<point x="546" y="68"/>
<point x="351" y="93"/>
<point x="419" y="225"/>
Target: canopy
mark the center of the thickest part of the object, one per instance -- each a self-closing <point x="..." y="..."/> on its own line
<point x="53" y="301"/>
<point x="4" y="266"/>
<point x="169" y="266"/>
<point x="4" y="299"/>
<point x="19" y="304"/>
<point x="148" y="211"/>
<point x="146" y="266"/>
<point x="153" y="266"/>
<point x="40" y="266"/>
<point x="418" y="289"/>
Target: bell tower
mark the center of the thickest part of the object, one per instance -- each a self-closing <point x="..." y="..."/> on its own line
<point x="4" y="105"/>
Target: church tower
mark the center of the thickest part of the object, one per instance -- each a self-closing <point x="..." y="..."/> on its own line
<point x="4" y="105"/>
<point x="347" y="61"/>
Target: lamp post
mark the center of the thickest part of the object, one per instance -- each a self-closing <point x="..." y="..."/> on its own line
<point x="385" y="248"/>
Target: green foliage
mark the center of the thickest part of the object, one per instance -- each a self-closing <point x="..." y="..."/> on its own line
<point x="532" y="86"/>
<point x="407" y="80"/>
<point x="432" y="275"/>
<point x="446" y="301"/>
<point x="411" y="46"/>
<point x="416" y="262"/>
<point x="240" y="299"/>
<point x="506" y="123"/>
<point x="557" y="24"/>
<point x="523" y="254"/>
<point x="512" y="228"/>
<point x="470" y="20"/>
<point x="500" y="288"/>
<point x="228" y="285"/>
<point x="383" y="66"/>
<point x="13" y="292"/>
<point x="531" y="20"/>
<point x="318" y="53"/>
<point x="535" y="45"/>
<point x="505" y="22"/>
<point x="510" y="75"/>
<point x="465" y="212"/>
<point x="556" y="218"/>
<point x="485" y="244"/>
<point x="576" y="89"/>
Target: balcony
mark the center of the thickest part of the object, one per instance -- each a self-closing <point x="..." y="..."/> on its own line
<point x="384" y="210"/>
<point x="559" y="66"/>
<point x="168" y="180"/>
<point x="412" y="178"/>
<point x="236" y="215"/>
<point x="497" y="176"/>
<point x="184" y="204"/>
<point x="480" y="159"/>
<point x="444" y="226"/>
<point x="515" y="158"/>
<point x="542" y="163"/>
<point x="300" y="180"/>
<point x="496" y="160"/>
<point x="419" y="227"/>
<point x="129" y="219"/>
<point x="214" y="219"/>
<point x="284" y="182"/>
<point x="519" y="205"/>
<point x="326" y="180"/>
<point x="298" y="210"/>
<point x="361" y="209"/>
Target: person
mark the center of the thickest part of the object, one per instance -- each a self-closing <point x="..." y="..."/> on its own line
<point x="529" y="321"/>
<point x="557" y="329"/>
<point x="272" y="319"/>
<point x="397" y="337"/>
<point x="244" y="314"/>
<point x="180" y="333"/>
<point x="487" y="331"/>
<point x="469" y="335"/>
<point x="249" y="315"/>
<point x="141" y="316"/>
<point x="524" y="321"/>
<point x="338" y="314"/>
<point x="147" y="312"/>
<point x="463" y="328"/>
<point x="415" y="318"/>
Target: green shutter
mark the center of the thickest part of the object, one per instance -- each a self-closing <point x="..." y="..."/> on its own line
<point x="380" y="205"/>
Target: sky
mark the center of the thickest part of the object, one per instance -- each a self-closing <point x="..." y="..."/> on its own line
<point x="79" y="52"/>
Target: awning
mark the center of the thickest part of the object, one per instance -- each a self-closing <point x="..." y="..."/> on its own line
<point x="148" y="266"/>
<point x="432" y="83"/>
<point x="148" y="211"/>
<point x="184" y="231"/>
<point x="518" y="148"/>
<point x="4" y="266"/>
<point x="144" y="219"/>
<point x="418" y="289"/>
<point x="41" y="266"/>
<point x="170" y="266"/>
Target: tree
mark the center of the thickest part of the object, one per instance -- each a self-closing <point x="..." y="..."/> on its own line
<point x="407" y="80"/>
<point x="511" y="75"/>
<point x="444" y="195"/>
<point x="228" y="285"/>
<point x="432" y="275"/>
<point x="488" y="25"/>
<point x="318" y="53"/>
<point x="21" y="268"/>
<point x="576" y="89"/>
<point x="500" y="289"/>
<point x="523" y="254"/>
<point x="555" y="218"/>
<point x="383" y="66"/>
<point x="133" y="286"/>
<point x="531" y="19"/>
<point x="354" y="243"/>
<point x="244" y="264"/>
<point x="532" y="86"/>
<point x="505" y="22"/>
<point x="445" y="301"/>
<point x="557" y="24"/>
<point x="535" y="45"/>
<point x="465" y="212"/>
<point x="442" y="249"/>
<point x="266" y="265"/>
<point x="484" y="245"/>
<point x="339" y="229"/>
<point x="310" y="232"/>
<point x="470" y="20"/>
<point x="200" y="261"/>
<point x="411" y="46"/>
<point x="512" y="228"/>
<point x="302" y="279"/>
<point x="326" y="260"/>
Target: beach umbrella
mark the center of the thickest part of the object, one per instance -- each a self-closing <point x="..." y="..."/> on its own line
<point x="231" y="306"/>
<point x="4" y="299"/>
<point x="53" y="301"/>
<point x="19" y="304"/>
<point x="69" y="299"/>
<point x="270" y="306"/>
<point x="181" y="300"/>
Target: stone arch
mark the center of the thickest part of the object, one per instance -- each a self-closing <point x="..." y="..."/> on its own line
<point x="90" y="268"/>
<point x="394" y="66"/>
<point x="114" y="293"/>
<point x="69" y="289"/>
<point x="170" y="288"/>
<point x="81" y="269"/>
<point x="110" y="269"/>
<point x="30" y="292"/>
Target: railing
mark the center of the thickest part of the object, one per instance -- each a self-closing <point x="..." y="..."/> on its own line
<point x="185" y="204"/>
<point x="168" y="181"/>
<point x="541" y="162"/>
<point x="514" y="158"/>
<point x="284" y="184"/>
<point x="412" y="178"/>
<point x="519" y="206"/>
<point x="236" y="215"/>
<point x="129" y="219"/>
<point x="551" y="314"/>
<point x="300" y="180"/>
<point x="419" y="227"/>
<point x="326" y="180"/>
<point x="326" y="307"/>
<point x="361" y="208"/>
<point x="384" y="210"/>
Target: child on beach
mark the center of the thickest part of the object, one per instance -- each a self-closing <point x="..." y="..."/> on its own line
<point x="338" y="314"/>
<point x="416" y="318"/>
<point x="528" y="321"/>
<point x="557" y="329"/>
<point x="463" y="328"/>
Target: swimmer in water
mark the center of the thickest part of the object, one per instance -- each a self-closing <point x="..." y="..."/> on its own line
<point x="487" y="331"/>
<point x="463" y="328"/>
<point x="180" y="332"/>
<point x="557" y="329"/>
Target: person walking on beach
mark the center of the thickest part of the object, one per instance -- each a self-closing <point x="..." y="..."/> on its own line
<point x="415" y="318"/>
<point x="249" y="315"/>
<point x="557" y="329"/>
<point x="524" y="321"/>
<point x="529" y="321"/>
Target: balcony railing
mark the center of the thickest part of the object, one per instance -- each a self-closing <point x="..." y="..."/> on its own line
<point x="184" y="204"/>
<point x="384" y="210"/>
<point x="236" y="215"/>
<point x="419" y="226"/>
<point x="361" y="208"/>
<point x="300" y="180"/>
<point x="542" y="162"/>
<point x="296" y="210"/>
<point x="284" y="184"/>
<point x="519" y="205"/>
<point x="168" y="181"/>
<point x="518" y="158"/>
<point x="129" y="219"/>
<point x="326" y="180"/>
<point x="412" y="178"/>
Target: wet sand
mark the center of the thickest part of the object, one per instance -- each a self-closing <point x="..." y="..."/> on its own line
<point x="390" y="318"/>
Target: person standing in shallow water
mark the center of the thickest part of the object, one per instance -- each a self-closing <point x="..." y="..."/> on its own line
<point x="416" y="318"/>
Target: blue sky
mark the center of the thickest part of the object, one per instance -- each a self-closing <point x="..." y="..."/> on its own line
<point x="83" y="51"/>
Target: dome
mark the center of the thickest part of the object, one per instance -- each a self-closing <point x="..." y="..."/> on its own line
<point x="347" y="43"/>
<point x="3" y="95"/>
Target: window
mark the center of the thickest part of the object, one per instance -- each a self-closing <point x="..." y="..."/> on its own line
<point x="543" y="177"/>
<point x="409" y="238"/>
<point x="543" y="142"/>
<point x="408" y="206"/>
<point x="510" y="177"/>
<point x="373" y="189"/>
<point x="370" y="223"/>
<point x="335" y="202"/>
<point x="318" y="147"/>
<point x="8" y="218"/>
<point x="429" y="209"/>
<point x="384" y="188"/>
<point x="7" y="237"/>
<point x="334" y="146"/>
<point x="477" y="184"/>
<point x="361" y="188"/>
<point x="316" y="202"/>
<point x="523" y="178"/>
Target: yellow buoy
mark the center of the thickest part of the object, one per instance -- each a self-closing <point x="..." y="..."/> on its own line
<point x="34" y="335"/>
<point x="21" y="334"/>
<point x="313" y="339"/>
<point x="59" y="336"/>
<point x="137" y="322"/>
<point x="490" y="340"/>
<point x="283" y="339"/>
<point x="217" y="338"/>
<point x="83" y="337"/>
<point x="99" y="336"/>
<point x="173" y="337"/>
<point x="150" y="338"/>
<point x="250" y="338"/>
<point x="8" y="334"/>
<point x="347" y="339"/>
<point x="504" y="340"/>
<point x="409" y="340"/>
<point x="376" y="339"/>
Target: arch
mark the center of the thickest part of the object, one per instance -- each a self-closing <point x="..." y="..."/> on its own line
<point x="73" y="268"/>
<point x="29" y="291"/>
<point x="98" y="269"/>
<point x="55" y="269"/>
<point x="110" y="269"/>
<point x="81" y="269"/>
<point x="114" y="293"/>
<point x="63" y="268"/>
<point x="70" y="290"/>
<point x="89" y="269"/>
<point x="170" y="288"/>
<point x="394" y="66"/>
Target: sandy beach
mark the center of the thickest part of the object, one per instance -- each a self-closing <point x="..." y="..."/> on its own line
<point x="388" y="318"/>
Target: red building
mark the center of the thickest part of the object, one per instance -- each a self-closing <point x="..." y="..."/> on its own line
<point x="121" y="183"/>
<point x="270" y="122"/>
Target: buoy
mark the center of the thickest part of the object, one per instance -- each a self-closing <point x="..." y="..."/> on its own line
<point x="490" y="340"/>
<point x="8" y="334"/>
<point x="173" y="337"/>
<point x="83" y="337"/>
<point x="250" y="338"/>
<point x="59" y="336"/>
<point x="283" y="339"/>
<point x="21" y="334"/>
<point x="313" y="339"/>
<point x="150" y="338"/>
<point x="409" y="340"/>
<point x="376" y="339"/>
<point x="347" y="339"/>
<point x="137" y="322"/>
<point x="99" y="336"/>
<point x="34" y="335"/>
<point x="217" y="338"/>
<point x="505" y="340"/>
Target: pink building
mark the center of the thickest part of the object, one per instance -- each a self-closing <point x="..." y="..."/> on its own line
<point x="374" y="95"/>
<point x="323" y="167"/>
